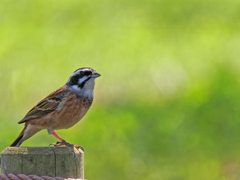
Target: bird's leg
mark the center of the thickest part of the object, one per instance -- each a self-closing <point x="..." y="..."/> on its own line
<point x="63" y="142"/>
<point x="57" y="135"/>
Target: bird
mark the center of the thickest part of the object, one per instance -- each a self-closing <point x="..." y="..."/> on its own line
<point x="62" y="108"/>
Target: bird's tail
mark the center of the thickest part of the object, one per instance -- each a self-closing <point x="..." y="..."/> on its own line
<point x="19" y="139"/>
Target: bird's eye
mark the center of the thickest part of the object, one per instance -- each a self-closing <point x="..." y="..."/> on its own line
<point x="82" y="72"/>
<point x="85" y="73"/>
<point x="88" y="72"/>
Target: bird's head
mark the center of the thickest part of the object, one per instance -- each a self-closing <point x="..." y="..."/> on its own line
<point x="82" y="81"/>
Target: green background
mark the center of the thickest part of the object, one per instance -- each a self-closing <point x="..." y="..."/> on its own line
<point x="167" y="104"/>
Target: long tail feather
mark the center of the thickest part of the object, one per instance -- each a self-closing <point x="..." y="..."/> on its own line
<point x="19" y="141"/>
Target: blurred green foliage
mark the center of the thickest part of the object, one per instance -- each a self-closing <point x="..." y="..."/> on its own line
<point x="167" y="104"/>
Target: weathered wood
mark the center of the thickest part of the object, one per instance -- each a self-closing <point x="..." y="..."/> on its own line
<point x="64" y="162"/>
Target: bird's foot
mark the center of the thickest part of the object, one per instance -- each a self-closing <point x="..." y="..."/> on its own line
<point x="64" y="143"/>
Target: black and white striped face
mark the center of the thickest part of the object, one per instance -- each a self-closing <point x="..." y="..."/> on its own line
<point x="82" y="80"/>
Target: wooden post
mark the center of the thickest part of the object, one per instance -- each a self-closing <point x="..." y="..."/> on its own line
<point x="66" y="162"/>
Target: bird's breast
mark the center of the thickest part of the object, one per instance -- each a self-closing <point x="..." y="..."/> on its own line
<point x="71" y="110"/>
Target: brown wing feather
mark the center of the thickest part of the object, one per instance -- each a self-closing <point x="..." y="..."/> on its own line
<point x="47" y="105"/>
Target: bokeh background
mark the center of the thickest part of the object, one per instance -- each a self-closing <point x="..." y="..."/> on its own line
<point x="167" y="104"/>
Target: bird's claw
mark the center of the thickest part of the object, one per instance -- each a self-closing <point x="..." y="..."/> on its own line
<point x="64" y="143"/>
<point x="55" y="144"/>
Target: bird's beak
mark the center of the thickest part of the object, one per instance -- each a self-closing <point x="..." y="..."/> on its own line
<point x="95" y="75"/>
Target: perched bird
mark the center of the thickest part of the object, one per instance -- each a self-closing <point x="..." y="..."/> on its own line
<point x="62" y="108"/>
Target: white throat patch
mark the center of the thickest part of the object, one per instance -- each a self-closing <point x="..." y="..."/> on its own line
<point x="86" y="91"/>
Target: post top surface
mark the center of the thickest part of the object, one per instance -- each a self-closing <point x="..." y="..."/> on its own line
<point x="41" y="150"/>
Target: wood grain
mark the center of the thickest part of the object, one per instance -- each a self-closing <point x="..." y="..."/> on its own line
<point x="67" y="162"/>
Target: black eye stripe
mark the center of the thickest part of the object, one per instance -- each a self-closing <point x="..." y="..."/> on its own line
<point x="74" y="79"/>
<point x="86" y="72"/>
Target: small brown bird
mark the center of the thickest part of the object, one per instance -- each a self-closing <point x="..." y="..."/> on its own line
<point x="61" y="109"/>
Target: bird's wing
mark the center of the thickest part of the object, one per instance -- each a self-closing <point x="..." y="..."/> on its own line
<point x="47" y="105"/>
